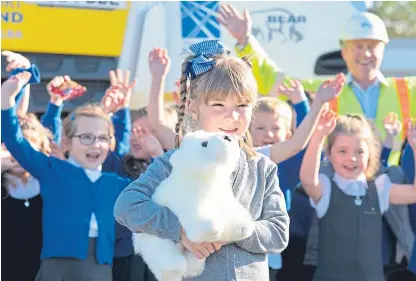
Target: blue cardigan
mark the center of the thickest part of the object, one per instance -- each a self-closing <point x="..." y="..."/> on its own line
<point x="69" y="198"/>
<point x="112" y="164"/>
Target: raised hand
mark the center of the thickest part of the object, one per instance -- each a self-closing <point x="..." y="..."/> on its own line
<point x="159" y="62"/>
<point x="12" y="86"/>
<point x="63" y="88"/>
<point x="118" y="94"/>
<point x="238" y="25"/>
<point x="148" y="142"/>
<point x="392" y="124"/>
<point x="295" y="91"/>
<point x="330" y="89"/>
<point x="15" y="60"/>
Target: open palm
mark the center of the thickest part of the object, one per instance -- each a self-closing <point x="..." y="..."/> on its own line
<point x="330" y="88"/>
<point x="118" y="94"/>
<point x="238" y="25"/>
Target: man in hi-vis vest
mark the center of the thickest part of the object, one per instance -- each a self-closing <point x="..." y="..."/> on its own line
<point x="366" y="91"/>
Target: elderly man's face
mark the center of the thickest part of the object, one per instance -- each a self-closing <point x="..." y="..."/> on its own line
<point x="363" y="58"/>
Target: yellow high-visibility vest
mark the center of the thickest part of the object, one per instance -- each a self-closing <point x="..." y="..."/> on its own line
<point x="398" y="96"/>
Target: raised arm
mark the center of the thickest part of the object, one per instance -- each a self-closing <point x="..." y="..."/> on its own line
<point x="159" y="64"/>
<point x="311" y="163"/>
<point x="116" y="101"/>
<point x="284" y="150"/>
<point x="33" y="161"/>
<point x="265" y="70"/>
<point x="52" y="117"/>
<point x="15" y="60"/>
<point x="393" y="127"/>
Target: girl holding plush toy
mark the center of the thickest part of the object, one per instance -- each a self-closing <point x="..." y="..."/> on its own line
<point x="219" y="93"/>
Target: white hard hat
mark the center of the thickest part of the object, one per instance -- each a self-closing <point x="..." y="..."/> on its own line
<point x="365" y="26"/>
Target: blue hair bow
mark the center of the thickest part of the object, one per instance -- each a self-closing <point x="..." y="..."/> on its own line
<point x="204" y="52"/>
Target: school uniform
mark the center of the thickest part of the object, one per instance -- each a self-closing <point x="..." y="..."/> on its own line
<point x="72" y="197"/>
<point x="350" y="223"/>
<point x="22" y="213"/>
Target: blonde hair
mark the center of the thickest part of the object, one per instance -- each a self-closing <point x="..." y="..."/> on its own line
<point x="229" y="76"/>
<point x="29" y="121"/>
<point x="276" y="106"/>
<point x="91" y="110"/>
<point x="357" y="125"/>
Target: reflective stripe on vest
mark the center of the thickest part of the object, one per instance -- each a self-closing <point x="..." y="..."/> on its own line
<point x="404" y="98"/>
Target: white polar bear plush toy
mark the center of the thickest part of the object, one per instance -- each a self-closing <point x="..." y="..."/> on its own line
<point x="199" y="192"/>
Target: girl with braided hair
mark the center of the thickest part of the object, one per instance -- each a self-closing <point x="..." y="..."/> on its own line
<point x="218" y="93"/>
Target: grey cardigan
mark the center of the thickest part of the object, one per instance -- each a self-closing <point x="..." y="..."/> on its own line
<point x="255" y="185"/>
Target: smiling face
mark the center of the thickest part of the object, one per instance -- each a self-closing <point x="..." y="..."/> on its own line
<point x="353" y="148"/>
<point x="267" y="128"/>
<point x="230" y="116"/>
<point x="349" y="156"/>
<point x="90" y="144"/>
<point x="363" y="58"/>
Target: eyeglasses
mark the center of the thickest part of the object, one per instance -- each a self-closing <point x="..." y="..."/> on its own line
<point x="89" y="139"/>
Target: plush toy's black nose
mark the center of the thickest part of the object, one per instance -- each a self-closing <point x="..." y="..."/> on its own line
<point x="227" y="138"/>
<point x="204" y="144"/>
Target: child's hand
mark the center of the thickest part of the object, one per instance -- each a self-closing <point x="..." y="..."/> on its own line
<point x="294" y="92"/>
<point x="118" y="94"/>
<point x="411" y="134"/>
<point x="200" y="250"/>
<point x="330" y="89"/>
<point x="326" y="124"/>
<point x="15" y="60"/>
<point x="159" y="62"/>
<point x="62" y="88"/>
<point x="238" y="25"/>
<point x="12" y="86"/>
<point x="148" y="142"/>
<point x="392" y="124"/>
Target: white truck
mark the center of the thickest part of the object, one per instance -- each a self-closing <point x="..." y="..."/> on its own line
<point x="301" y="37"/>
